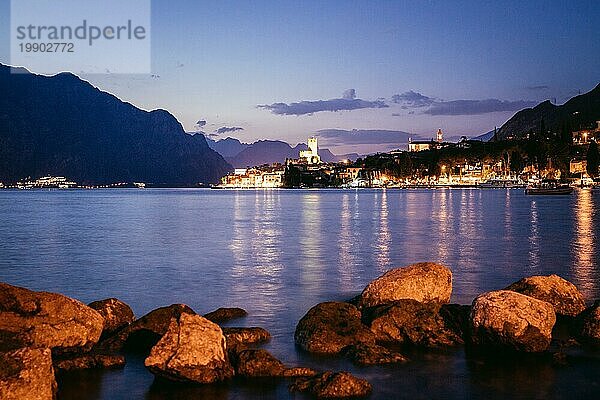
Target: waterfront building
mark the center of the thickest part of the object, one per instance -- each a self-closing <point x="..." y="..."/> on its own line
<point x="578" y="166"/>
<point x="47" y="182"/>
<point x="583" y="136"/>
<point x="254" y="178"/>
<point x="420" y="145"/>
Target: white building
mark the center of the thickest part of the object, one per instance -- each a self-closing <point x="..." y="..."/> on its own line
<point x="419" y="145"/>
<point x="311" y="156"/>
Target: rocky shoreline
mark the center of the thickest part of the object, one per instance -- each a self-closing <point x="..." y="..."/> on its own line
<point x="43" y="333"/>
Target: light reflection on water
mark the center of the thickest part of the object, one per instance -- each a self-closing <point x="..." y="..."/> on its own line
<point x="277" y="253"/>
<point x="585" y="260"/>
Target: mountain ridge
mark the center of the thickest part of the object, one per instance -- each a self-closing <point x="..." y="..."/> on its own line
<point x="63" y="125"/>
<point x="573" y="114"/>
<point x="266" y="151"/>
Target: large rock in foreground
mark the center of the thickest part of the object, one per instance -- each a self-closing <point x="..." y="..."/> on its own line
<point x="331" y="326"/>
<point x="145" y="332"/>
<point x="590" y="324"/>
<point x="333" y="385"/>
<point x="27" y="374"/>
<point x="89" y="361"/>
<point x="513" y="320"/>
<point x="562" y="294"/>
<point x="372" y="354"/>
<point x="243" y="336"/>
<point x="257" y="363"/>
<point x="43" y="319"/>
<point x="116" y="314"/>
<point x="411" y="322"/>
<point x="193" y="349"/>
<point x="423" y="282"/>
<point x="225" y="314"/>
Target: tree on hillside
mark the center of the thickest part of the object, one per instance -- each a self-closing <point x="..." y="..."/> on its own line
<point x="593" y="159"/>
<point x="405" y="165"/>
<point x="543" y="129"/>
<point x="517" y="163"/>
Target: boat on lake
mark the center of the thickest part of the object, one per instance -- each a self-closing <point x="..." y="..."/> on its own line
<point x="502" y="183"/>
<point x="548" y="187"/>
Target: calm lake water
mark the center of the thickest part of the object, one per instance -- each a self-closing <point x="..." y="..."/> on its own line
<point x="277" y="253"/>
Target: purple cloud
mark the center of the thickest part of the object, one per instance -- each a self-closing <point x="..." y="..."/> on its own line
<point x="226" y="129"/>
<point x="337" y="137"/>
<point x="412" y="99"/>
<point x="474" y="107"/>
<point x="346" y="103"/>
<point x="349" y="94"/>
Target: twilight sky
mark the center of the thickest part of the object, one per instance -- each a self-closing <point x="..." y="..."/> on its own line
<point x="360" y="73"/>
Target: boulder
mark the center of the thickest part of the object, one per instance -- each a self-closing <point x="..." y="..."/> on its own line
<point x="116" y="314"/>
<point x="562" y="294"/>
<point x="411" y="322"/>
<point x="333" y="385"/>
<point x="192" y="349"/>
<point x="296" y="372"/>
<point x="372" y="354"/>
<point x="236" y="336"/>
<point x="49" y="320"/>
<point x="512" y="320"/>
<point x="590" y="324"/>
<point x="27" y="373"/>
<point x="89" y="361"/>
<point x="331" y="326"/>
<point x="257" y="363"/>
<point x="457" y="318"/>
<point x="145" y="332"/>
<point x="423" y="282"/>
<point x="223" y="314"/>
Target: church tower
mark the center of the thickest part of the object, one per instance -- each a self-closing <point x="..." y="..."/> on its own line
<point x="440" y="136"/>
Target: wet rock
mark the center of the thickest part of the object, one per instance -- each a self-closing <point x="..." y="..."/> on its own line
<point x="412" y="322"/>
<point x="331" y="326"/>
<point x="257" y="363"/>
<point x="589" y="320"/>
<point x="192" y="349"/>
<point x="42" y="319"/>
<point x="562" y="294"/>
<point x="423" y="282"/>
<point x="89" y="361"/>
<point x="372" y="354"/>
<point x="333" y="385"/>
<point x="116" y="314"/>
<point x="27" y="373"/>
<point x="296" y="372"/>
<point x="457" y="318"/>
<point x="223" y="314"/>
<point x="145" y="332"/>
<point x="512" y="320"/>
<point x="244" y="336"/>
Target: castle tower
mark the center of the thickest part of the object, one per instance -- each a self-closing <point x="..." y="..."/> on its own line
<point x="440" y="136"/>
<point x="311" y="156"/>
<point x="313" y="145"/>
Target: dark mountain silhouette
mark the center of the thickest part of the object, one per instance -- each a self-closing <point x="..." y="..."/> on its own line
<point x="228" y="147"/>
<point x="576" y="113"/>
<point x="62" y="125"/>
<point x="265" y="152"/>
<point x="486" y="137"/>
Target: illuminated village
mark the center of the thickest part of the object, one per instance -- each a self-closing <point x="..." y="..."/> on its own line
<point x="427" y="163"/>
